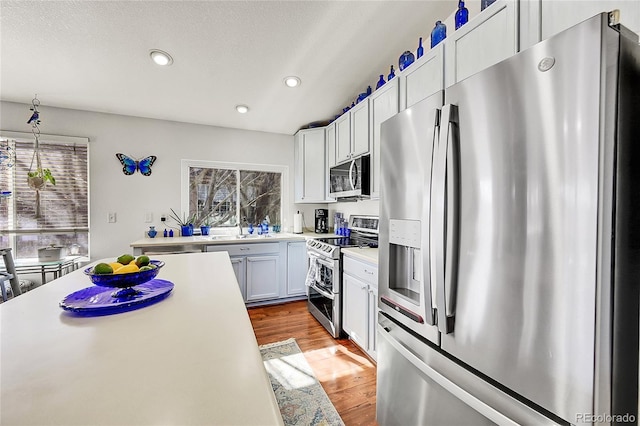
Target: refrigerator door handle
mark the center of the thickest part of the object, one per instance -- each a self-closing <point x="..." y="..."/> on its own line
<point x="452" y="216"/>
<point x="443" y="221"/>
<point x="455" y="390"/>
<point x="426" y="242"/>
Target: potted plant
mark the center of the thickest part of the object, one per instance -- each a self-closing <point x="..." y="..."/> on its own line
<point x="205" y="226"/>
<point x="185" y="223"/>
<point x="38" y="178"/>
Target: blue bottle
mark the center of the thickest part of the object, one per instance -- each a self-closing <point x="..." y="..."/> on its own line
<point x="170" y="232"/>
<point x="391" y="74"/>
<point x="165" y="233"/>
<point x="462" y="15"/>
<point x="438" y="33"/>
<point x="380" y="82"/>
<point x="405" y="60"/>
<point x="420" y="50"/>
<point x="485" y="3"/>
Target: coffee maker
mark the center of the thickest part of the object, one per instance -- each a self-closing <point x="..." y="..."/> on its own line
<point x="322" y="221"/>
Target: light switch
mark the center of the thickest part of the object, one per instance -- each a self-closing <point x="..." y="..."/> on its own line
<point x="148" y="217"/>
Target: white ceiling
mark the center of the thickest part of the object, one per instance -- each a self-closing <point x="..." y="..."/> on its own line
<point x="94" y="55"/>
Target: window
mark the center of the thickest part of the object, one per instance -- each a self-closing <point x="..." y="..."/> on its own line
<point x="225" y="194"/>
<point x="64" y="207"/>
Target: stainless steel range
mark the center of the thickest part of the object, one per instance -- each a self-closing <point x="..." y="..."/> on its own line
<point x="324" y="278"/>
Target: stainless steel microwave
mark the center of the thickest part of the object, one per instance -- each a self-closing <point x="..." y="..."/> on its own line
<point x="351" y="179"/>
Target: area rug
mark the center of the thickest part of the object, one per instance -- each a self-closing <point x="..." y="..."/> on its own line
<point x="300" y="396"/>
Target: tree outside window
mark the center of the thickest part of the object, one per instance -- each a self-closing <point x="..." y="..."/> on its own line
<point x="223" y="197"/>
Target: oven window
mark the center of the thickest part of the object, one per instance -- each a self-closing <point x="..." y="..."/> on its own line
<point x="323" y="304"/>
<point x="326" y="277"/>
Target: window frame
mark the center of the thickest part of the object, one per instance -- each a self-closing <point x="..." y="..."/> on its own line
<point x="185" y="164"/>
<point x="44" y="138"/>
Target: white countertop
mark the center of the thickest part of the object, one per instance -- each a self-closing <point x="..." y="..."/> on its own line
<point x="189" y="359"/>
<point x="216" y="239"/>
<point x="365" y="253"/>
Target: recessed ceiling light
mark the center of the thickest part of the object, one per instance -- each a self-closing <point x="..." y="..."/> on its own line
<point x="242" y="109"/>
<point x="292" y="81"/>
<point x="160" y="57"/>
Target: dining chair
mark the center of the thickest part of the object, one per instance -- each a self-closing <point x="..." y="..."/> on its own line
<point x="9" y="275"/>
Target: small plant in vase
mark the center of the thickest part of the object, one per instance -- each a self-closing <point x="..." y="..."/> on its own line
<point x="38" y="178"/>
<point x="205" y="226"/>
<point x="185" y="223"/>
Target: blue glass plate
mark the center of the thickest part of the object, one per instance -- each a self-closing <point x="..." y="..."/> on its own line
<point x="96" y="300"/>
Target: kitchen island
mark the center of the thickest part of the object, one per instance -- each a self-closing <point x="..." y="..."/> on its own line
<point x="189" y="359"/>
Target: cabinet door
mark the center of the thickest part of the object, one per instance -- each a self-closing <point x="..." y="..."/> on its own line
<point x="422" y="78"/>
<point x="296" y="268"/>
<point x="262" y="278"/>
<point x="298" y="164"/>
<point x="382" y="105"/>
<point x="330" y="137"/>
<point x="485" y="40"/>
<point x="360" y="128"/>
<point x="355" y="310"/>
<point x="372" y="349"/>
<point x="310" y="176"/>
<point x="238" y="265"/>
<point x="557" y="16"/>
<point x="343" y="138"/>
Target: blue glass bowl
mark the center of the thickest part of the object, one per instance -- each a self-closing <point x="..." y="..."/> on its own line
<point x="124" y="280"/>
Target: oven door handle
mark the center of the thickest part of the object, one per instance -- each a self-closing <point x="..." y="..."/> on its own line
<point x="323" y="292"/>
<point x="319" y="259"/>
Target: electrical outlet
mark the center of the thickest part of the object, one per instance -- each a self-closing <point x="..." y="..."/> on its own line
<point x="111" y="218"/>
<point x="163" y="217"/>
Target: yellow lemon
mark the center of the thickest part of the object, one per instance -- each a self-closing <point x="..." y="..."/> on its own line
<point x="115" y="265"/>
<point x="127" y="269"/>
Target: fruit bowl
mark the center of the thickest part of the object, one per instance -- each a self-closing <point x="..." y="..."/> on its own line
<point x="126" y="280"/>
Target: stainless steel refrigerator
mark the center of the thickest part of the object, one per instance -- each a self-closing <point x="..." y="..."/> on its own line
<point x="510" y="238"/>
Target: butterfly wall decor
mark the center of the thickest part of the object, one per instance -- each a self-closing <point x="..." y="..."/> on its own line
<point x="130" y="165"/>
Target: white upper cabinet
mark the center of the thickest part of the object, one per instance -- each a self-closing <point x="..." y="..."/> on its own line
<point x="352" y="132"/>
<point x="343" y="137"/>
<point x="310" y="166"/>
<point x="485" y="40"/>
<point x="360" y="128"/>
<point x="330" y="137"/>
<point x="383" y="104"/>
<point x="543" y="19"/>
<point x="422" y="78"/>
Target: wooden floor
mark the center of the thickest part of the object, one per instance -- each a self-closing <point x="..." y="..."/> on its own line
<point x="346" y="374"/>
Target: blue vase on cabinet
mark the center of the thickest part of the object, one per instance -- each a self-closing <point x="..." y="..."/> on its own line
<point x="380" y="82"/>
<point x="391" y="74"/>
<point x="405" y="60"/>
<point x="462" y="15"/>
<point x="438" y="33"/>
<point x="486" y="3"/>
<point x="204" y="230"/>
<point x="420" y="50"/>
<point x="152" y="232"/>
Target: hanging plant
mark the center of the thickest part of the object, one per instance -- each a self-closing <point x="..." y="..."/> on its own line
<point x="37" y="178"/>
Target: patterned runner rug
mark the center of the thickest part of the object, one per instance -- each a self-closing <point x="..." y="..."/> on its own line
<point x="300" y="396"/>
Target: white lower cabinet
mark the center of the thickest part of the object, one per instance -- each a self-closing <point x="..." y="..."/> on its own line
<point x="260" y="268"/>
<point x="238" y="264"/>
<point x="297" y="265"/>
<point x="360" y="303"/>
<point x="262" y="278"/>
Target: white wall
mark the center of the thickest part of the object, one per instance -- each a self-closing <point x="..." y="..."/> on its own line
<point x="131" y="197"/>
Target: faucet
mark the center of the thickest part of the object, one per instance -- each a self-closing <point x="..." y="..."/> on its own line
<point x="240" y="225"/>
